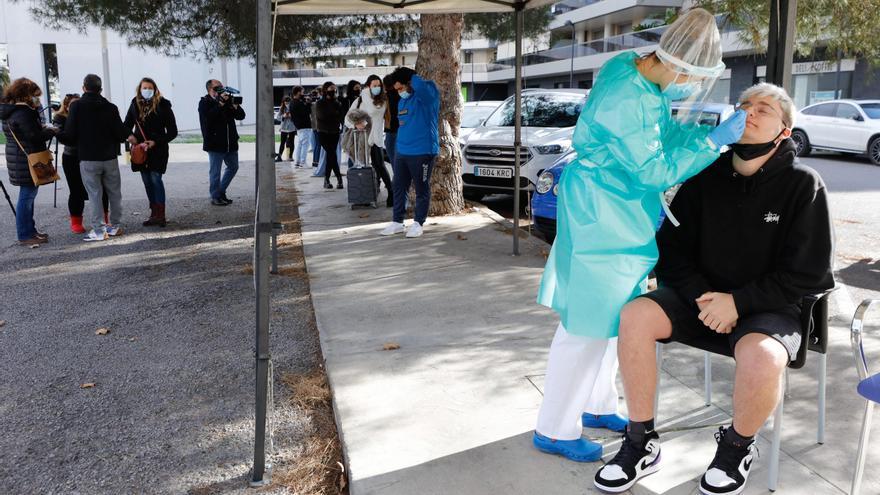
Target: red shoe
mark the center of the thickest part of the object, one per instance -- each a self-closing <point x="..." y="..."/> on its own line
<point x="76" y="225"/>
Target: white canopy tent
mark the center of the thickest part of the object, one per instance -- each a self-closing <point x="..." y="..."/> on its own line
<point x="266" y="225"/>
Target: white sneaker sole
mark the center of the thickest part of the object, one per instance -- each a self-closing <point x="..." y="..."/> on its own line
<point x="639" y="475"/>
<point x="386" y="234"/>
<point x="734" y="492"/>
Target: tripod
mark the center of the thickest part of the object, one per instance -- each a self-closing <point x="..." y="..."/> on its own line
<point x="8" y="200"/>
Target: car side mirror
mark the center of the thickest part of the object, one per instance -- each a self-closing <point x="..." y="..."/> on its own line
<point x="858" y="118"/>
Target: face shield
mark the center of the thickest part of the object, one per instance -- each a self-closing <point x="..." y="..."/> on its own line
<point x="690" y="50"/>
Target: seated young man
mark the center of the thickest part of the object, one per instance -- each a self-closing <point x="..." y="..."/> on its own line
<point x="755" y="237"/>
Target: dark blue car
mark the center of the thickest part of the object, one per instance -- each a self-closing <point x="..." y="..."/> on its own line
<point x="544" y="199"/>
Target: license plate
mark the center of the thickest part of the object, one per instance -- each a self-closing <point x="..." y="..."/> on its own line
<point x="504" y="173"/>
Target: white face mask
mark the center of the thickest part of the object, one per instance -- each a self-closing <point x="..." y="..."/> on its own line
<point x="147" y="94"/>
<point x="37" y="102"/>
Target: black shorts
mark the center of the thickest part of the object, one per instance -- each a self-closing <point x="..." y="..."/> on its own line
<point x="783" y="326"/>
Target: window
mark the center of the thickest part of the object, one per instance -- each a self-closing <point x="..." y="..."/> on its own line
<point x="468" y="57"/>
<point x="50" y="72"/>
<point x="540" y="110"/>
<point x="872" y="109"/>
<point x="356" y="62"/>
<point x="846" y="111"/>
<point x="825" y="110"/>
<point x="383" y="61"/>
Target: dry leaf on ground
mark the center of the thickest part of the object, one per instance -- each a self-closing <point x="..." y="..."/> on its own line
<point x="87" y="385"/>
<point x="102" y="331"/>
<point x="461" y="237"/>
<point x="391" y="346"/>
<point x="2" y="322"/>
<point x="364" y="215"/>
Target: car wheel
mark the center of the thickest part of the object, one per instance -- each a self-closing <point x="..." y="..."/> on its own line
<point x="801" y="143"/>
<point x="472" y="195"/>
<point x="874" y="151"/>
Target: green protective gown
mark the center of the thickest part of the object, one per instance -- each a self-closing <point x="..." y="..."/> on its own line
<point x="629" y="149"/>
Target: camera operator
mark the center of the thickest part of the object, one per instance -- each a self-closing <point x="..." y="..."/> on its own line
<point x="218" y="111"/>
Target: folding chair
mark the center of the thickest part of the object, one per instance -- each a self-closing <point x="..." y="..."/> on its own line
<point x="869" y="388"/>
<point x="814" y="337"/>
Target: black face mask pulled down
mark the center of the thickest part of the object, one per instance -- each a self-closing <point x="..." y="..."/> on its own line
<point x="751" y="151"/>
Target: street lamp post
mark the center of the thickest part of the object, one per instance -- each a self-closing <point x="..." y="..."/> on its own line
<point x="573" y="42"/>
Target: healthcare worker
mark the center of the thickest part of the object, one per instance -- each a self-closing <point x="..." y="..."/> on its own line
<point x="630" y="149"/>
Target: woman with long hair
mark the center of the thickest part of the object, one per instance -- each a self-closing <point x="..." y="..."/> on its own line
<point x="329" y="115"/>
<point x="77" y="196"/>
<point x="152" y="121"/>
<point x="288" y="130"/>
<point x="25" y="134"/>
<point x="374" y="102"/>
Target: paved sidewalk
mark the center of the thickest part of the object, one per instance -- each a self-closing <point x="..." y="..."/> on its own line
<point x="453" y="409"/>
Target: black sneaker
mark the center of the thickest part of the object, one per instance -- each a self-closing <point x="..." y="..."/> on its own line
<point x="632" y="462"/>
<point x="219" y="202"/>
<point x="225" y="199"/>
<point x="729" y="470"/>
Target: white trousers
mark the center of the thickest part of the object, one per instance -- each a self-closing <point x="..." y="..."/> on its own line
<point x="581" y="374"/>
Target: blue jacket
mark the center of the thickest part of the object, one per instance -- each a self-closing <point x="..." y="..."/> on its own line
<point x="418" y="116"/>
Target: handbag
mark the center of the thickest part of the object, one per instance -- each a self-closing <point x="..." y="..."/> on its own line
<point x="40" y="164"/>
<point x="139" y="151"/>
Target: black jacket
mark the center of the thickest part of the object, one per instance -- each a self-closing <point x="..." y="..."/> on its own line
<point x="159" y="127"/>
<point x="302" y="113"/>
<point x="767" y="238"/>
<point x="25" y="121"/>
<point x="329" y="115"/>
<point x="218" y="125"/>
<point x="94" y="127"/>
<point x="59" y="121"/>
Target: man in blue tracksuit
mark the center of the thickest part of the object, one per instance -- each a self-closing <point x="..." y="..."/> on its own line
<point x="417" y="146"/>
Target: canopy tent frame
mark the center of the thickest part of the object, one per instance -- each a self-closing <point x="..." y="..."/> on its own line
<point x="266" y="225"/>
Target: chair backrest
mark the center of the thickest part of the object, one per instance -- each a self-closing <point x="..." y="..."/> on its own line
<point x="814" y="327"/>
<point x="856" y="329"/>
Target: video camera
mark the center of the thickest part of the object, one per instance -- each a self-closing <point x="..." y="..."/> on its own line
<point x="227" y="90"/>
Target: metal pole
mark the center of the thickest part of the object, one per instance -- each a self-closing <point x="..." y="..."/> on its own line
<point x="517" y="129"/>
<point x="265" y="180"/>
<point x="780" y="43"/>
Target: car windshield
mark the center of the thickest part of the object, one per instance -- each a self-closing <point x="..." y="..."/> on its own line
<point x="472" y="116"/>
<point x="872" y="109"/>
<point x="541" y="110"/>
<point x="706" y="118"/>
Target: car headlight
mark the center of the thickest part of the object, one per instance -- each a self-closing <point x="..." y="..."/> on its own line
<point x="545" y="182"/>
<point x="551" y="149"/>
<point x="556" y="190"/>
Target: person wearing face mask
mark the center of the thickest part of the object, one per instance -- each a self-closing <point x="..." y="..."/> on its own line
<point x="21" y="124"/>
<point x="755" y="238"/>
<point x="374" y="102"/>
<point x="329" y="117"/>
<point x="629" y="150"/>
<point x="352" y="92"/>
<point x="417" y="146"/>
<point x="151" y="120"/>
<point x="301" y="114"/>
<point x="217" y="115"/>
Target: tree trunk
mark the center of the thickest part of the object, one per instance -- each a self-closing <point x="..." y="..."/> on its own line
<point x="439" y="60"/>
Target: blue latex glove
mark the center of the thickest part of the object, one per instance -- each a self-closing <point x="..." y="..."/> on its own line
<point x="729" y="131"/>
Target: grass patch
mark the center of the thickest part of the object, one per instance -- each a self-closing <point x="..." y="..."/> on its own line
<point x="2" y="138"/>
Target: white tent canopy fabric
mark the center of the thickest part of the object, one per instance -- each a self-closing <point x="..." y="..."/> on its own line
<point x="353" y="7"/>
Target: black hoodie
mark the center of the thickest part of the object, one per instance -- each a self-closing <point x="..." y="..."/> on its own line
<point x="767" y="238"/>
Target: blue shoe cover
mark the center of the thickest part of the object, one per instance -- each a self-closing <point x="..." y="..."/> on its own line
<point x="613" y="422"/>
<point x="580" y="450"/>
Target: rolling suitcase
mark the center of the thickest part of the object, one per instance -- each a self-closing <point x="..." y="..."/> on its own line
<point x="363" y="190"/>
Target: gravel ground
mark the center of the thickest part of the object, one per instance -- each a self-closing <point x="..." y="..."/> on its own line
<point x="172" y="406"/>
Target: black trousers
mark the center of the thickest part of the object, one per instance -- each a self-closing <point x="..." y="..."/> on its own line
<point x="329" y="141"/>
<point x="378" y="163"/>
<point x="287" y="139"/>
<point x="78" y="195"/>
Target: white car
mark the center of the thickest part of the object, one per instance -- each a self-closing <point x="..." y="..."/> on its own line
<point x="473" y="114"/>
<point x="848" y="126"/>
<point x="548" y="120"/>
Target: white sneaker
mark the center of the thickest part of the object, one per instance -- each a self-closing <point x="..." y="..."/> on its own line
<point x="112" y="231"/>
<point x="93" y="235"/>
<point x="414" y="230"/>
<point x="393" y="228"/>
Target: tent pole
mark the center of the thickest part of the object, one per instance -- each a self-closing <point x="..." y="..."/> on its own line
<point x="265" y="168"/>
<point x="517" y="129"/>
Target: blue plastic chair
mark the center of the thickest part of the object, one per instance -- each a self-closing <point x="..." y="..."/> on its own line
<point x="869" y="388"/>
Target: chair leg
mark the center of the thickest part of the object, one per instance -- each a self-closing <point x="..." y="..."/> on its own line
<point x="863" y="442"/>
<point x="659" y="358"/>
<point x="707" y="366"/>
<point x="773" y="473"/>
<point x="820" y="430"/>
<point x="787" y="385"/>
